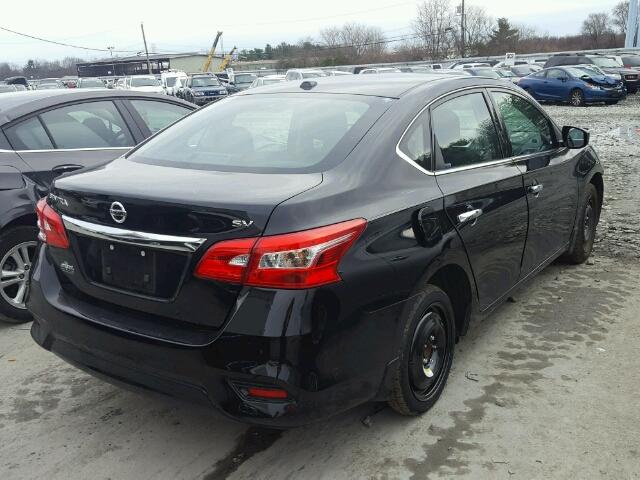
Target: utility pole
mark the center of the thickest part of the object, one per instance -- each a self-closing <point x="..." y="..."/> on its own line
<point x="462" y="27"/>
<point x="144" y="39"/>
<point x="110" y="50"/>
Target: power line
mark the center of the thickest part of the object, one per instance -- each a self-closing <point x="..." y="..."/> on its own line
<point x="81" y="47"/>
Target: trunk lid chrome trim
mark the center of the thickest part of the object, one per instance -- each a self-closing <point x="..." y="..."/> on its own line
<point x="142" y="239"/>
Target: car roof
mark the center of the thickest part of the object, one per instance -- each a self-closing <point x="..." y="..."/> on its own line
<point x="16" y="104"/>
<point x="392" y="85"/>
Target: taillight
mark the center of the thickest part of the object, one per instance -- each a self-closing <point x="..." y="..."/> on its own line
<point x="294" y="260"/>
<point x="52" y="230"/>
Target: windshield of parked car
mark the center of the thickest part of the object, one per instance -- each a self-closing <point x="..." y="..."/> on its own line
<point x="241" y="79"/>
<point x="606" y="62"/>
<point x="579" y="72"/>
<point x="632" y="61"/>
<point x="589" y="70"/>
<point x="90" y="83"/>
<point x="205" y="82"/>
<point x="484" y="72"/>
<point x="506" y="73"/>
<point x="271" y="81"/>
<point x="311" y="74"/>
<point x="170" y="81"/>
<point x="522" y="70"/>
<point x="266" y="133"/>
<point x="145" y="82"/>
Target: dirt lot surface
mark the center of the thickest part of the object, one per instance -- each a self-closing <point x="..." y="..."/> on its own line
<point x="547" y="387"/>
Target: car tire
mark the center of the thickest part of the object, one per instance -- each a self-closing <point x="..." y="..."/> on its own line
<point x="584" y="230"/>
<point x="425" y="352"/>
<point x="14" y="242"/>
<point x="576" y="98"/>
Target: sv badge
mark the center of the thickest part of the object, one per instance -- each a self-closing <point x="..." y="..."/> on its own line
<point x="241" y="223"/>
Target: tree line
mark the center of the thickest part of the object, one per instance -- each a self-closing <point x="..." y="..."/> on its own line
<point x="435" y="35"/>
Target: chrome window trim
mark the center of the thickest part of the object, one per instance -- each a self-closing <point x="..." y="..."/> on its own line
<point x="501" y="161"/>
<point x="130" y="237"/>
<point x="89" y="149"/>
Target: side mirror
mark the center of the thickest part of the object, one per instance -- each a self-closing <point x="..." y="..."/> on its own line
<point x="574" y="137"/>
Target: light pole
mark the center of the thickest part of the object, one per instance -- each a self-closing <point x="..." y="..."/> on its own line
<point x="111" y="50"/>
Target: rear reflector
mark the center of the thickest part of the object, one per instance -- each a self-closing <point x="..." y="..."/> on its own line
<point x="294" y="260"/>
<point x="268" y="393"/>
<point x="52" y="230"/>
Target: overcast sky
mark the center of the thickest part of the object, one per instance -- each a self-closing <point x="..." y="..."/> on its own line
<point x="190" y="26"/>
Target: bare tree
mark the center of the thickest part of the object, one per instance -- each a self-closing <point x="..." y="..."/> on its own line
<point x="478" y="29"/>
<point x="354" y="42"/>
<point x="596" y="27"/>
<point x="435" y="21"/>
<point x="620" y="15"/>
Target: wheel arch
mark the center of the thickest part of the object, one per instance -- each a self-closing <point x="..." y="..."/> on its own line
<point x="455" y="282"/>
<point x="597" y="181"/>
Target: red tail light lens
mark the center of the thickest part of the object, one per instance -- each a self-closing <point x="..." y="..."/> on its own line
<point x="294" y="260"/>
<point x="268" y="393"/>
<point x="52" y="230"/>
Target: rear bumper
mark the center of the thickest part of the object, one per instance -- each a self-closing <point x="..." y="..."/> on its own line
<point x="213" y="373"/>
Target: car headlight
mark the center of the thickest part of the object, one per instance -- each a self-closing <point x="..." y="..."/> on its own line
<point x="617" y="76"/>
<point x="198" y="94"/>
<point x="594" y="87"/>
<point x="223" y="92"/>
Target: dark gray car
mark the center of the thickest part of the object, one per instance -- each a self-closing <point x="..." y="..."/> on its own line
<point x="47" y="133"/>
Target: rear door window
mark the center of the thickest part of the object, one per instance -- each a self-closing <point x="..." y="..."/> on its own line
<point x="416" y="143"/>
<point x="528" y="129"/>
<point x="88" y="125"/>
<point x="465" y="132"/>
<point x="157" y="115"/>
<point x="29" y="135"/>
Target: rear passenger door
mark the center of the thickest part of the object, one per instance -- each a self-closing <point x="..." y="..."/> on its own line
<point x="153" y="115"/>
<point x="557" y="85"/>
<point x="484" y="196"/>
<point x="70" y="137"/>
<point x="549" y="176"/>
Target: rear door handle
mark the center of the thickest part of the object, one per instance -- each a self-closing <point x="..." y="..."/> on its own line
<point x="536" y="189"/>
<point x="470" y="215"/>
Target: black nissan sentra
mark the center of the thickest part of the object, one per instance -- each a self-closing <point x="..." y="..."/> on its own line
<point x="294" y="251"/>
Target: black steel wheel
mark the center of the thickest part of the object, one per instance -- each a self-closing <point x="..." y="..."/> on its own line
<point x="426" y="353"/>
<point x="584" y="230"/>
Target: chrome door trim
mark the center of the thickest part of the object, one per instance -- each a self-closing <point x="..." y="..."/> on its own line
<point x="501" y="161"/>
<point x="131" y="237"/>
<point x="90" y="149"/>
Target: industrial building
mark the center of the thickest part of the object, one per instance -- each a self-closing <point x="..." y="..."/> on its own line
<point x="137" y="64"/>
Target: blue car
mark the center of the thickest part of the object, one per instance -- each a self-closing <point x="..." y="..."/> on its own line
<point x="575" y="85"/>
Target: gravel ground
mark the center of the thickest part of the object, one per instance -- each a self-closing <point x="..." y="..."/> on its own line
<point x="547" y="387"/>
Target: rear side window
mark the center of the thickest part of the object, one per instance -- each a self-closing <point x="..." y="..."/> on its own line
<point x="464" y="132"/>
<point x="416" y="143"/>
<point x="157" y="115"/>
<point x="556" y="73"/>
<point x="29" y="135"/>
<point x="529" y="130"/>
<point x="87" y="125"/>
<point x="266" y="133"/>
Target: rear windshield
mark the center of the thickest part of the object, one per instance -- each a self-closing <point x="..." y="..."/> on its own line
<point x="144" y="82"/>
<point x="281" y="133"/>
<point x="485" y="72"/>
